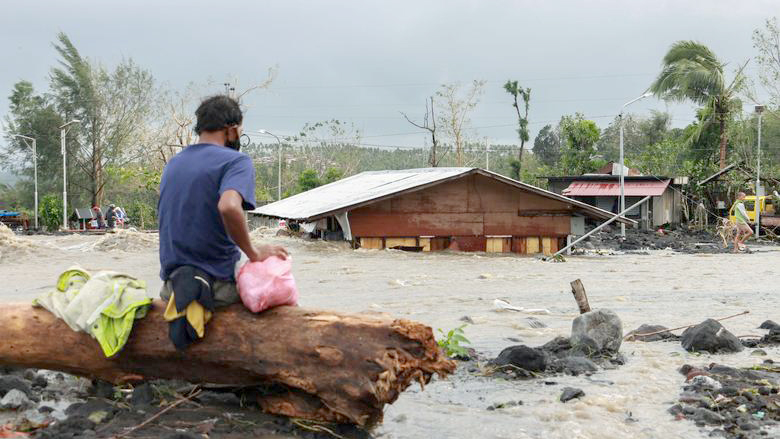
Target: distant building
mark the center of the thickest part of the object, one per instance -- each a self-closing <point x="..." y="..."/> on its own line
<point x="602" y="190"/>
<point x="467" y="209"/>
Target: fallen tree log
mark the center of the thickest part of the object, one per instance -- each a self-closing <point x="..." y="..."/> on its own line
<point x="310" y="364"/>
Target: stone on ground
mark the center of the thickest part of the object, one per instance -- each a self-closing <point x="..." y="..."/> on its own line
<point x="8" y="382"/>
<point x="710" y="336"/>
<point x="636" y="334"/>
<point x="524" y="357"/>
<point x="570" y="393"/>
<point x="16" y="400"/>
<point x="598" y="331"/>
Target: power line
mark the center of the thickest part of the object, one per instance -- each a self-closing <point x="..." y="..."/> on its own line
<point x="436" y="84"/>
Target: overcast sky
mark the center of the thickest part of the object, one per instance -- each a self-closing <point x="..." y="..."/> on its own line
<point x="363" y="61"/>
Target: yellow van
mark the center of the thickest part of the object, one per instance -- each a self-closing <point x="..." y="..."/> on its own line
<point x="767" y="207"/>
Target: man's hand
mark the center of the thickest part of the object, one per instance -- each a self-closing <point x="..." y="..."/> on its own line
<point x="264" y="252"/>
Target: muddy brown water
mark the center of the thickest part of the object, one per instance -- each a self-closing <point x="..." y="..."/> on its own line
<point x="438" y="289"/>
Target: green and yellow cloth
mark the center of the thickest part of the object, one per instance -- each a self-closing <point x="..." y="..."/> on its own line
<point x="105" y="305"/>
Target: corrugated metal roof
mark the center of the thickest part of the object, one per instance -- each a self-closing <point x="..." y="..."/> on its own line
<point x="612" y="189"/>
<point x="366" y="186"/>
<point x="372" y="186"/>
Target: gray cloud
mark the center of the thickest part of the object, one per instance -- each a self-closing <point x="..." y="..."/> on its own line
<point x="364" y="61"/>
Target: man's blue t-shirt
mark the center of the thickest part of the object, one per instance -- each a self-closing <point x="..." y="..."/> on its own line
<point x="191" y="229"/>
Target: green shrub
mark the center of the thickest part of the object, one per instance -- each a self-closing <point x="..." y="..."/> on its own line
<point x="452" y="340"/>
<point x="50" y="212"/>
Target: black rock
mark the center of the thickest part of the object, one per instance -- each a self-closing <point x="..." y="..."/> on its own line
<point x="40" y="381"/>
<point x="570" y="393"/>
<point x="768" y="324"/>
<point x="772" y="338"/>
<point x="747" y="425"/>
<point x="219" y="398"/>
<point x="84" y="409"/>
<point x="559" y="347"/>
<point x="710" y="336"/>
<point x="8" y="382"/>
<point x="706" y="416"/>
<point x="635" y="335"/>
<point x="523" y="357"/>
<point x="182" y="435"/>
<point x="142" y="395"/>
<point x="73" y="427"/>
<point x="577" y="365"/>
<point x="503" y="405"/>
<point x="102" y="389"/>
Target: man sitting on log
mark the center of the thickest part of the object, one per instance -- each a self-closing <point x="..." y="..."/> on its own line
<point x="203" y="194"/>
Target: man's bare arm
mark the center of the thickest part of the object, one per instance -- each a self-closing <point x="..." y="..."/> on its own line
<point x="232" y="214"/>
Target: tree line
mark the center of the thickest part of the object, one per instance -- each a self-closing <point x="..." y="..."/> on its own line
<point x="130" y="126"/>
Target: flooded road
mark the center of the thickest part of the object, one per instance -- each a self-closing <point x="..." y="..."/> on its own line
<point x="439" y="289"/>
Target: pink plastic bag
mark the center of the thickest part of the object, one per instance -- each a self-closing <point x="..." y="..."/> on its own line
<point x="267" y="284"/>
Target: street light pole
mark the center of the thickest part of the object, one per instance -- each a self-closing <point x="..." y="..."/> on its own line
<point x="622" y="165"/>
<point x="757" y="204"/>
<point x="279" y="176"/>
<point x="35" y="170"/>
<point x="63" y="132"/>
<point x="487" y="155"/>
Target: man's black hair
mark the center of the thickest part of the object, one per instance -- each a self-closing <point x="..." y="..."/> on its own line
<point x="216" y="113"/>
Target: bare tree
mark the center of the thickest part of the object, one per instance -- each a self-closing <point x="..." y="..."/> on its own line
<point x="457" y="106"/>
<point x="767" y="42"/>
<point x="177" y="130"/>
<point x="430" y="126"/>
<point x="323" y="145"/>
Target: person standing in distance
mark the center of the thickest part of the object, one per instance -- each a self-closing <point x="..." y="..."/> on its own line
<point x="203" y="194"/>
<point x="743" y="223"/>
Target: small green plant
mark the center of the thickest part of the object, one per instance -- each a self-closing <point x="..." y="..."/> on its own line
<point x="451" y="343"/>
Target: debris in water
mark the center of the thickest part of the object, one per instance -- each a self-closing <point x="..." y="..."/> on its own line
<point x="12" y="246"/>
<point x="128" y="240"/>
<point x="738" y="402"/>
<point x="501" y="304"/>
<point x="570" y="393"/>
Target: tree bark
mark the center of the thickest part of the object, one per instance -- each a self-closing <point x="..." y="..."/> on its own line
<point x="723" y="141"/>
<point x="578" y="290"/>
<point x="311" y="364"/>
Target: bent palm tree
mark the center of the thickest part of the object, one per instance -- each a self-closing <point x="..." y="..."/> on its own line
<point x="692" y="72"/>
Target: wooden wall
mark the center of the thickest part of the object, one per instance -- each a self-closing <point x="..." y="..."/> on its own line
<point x="471" y="209"/>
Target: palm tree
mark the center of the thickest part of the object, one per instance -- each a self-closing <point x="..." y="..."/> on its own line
<point x="692" y="72"/>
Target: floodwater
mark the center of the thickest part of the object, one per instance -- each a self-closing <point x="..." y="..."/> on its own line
<point x="439" y="289"/>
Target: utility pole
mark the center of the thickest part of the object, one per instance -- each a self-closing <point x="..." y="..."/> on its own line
<point x="622" y="165"/>
<point x="63" y="132"/>
<point x="279" y="174"/>
<point x="487" y="155"/>
<point x="757" y="204"/>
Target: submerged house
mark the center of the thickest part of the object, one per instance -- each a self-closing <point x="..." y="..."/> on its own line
<point x="467" y="209"/>
<point x="602" y="190"/>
